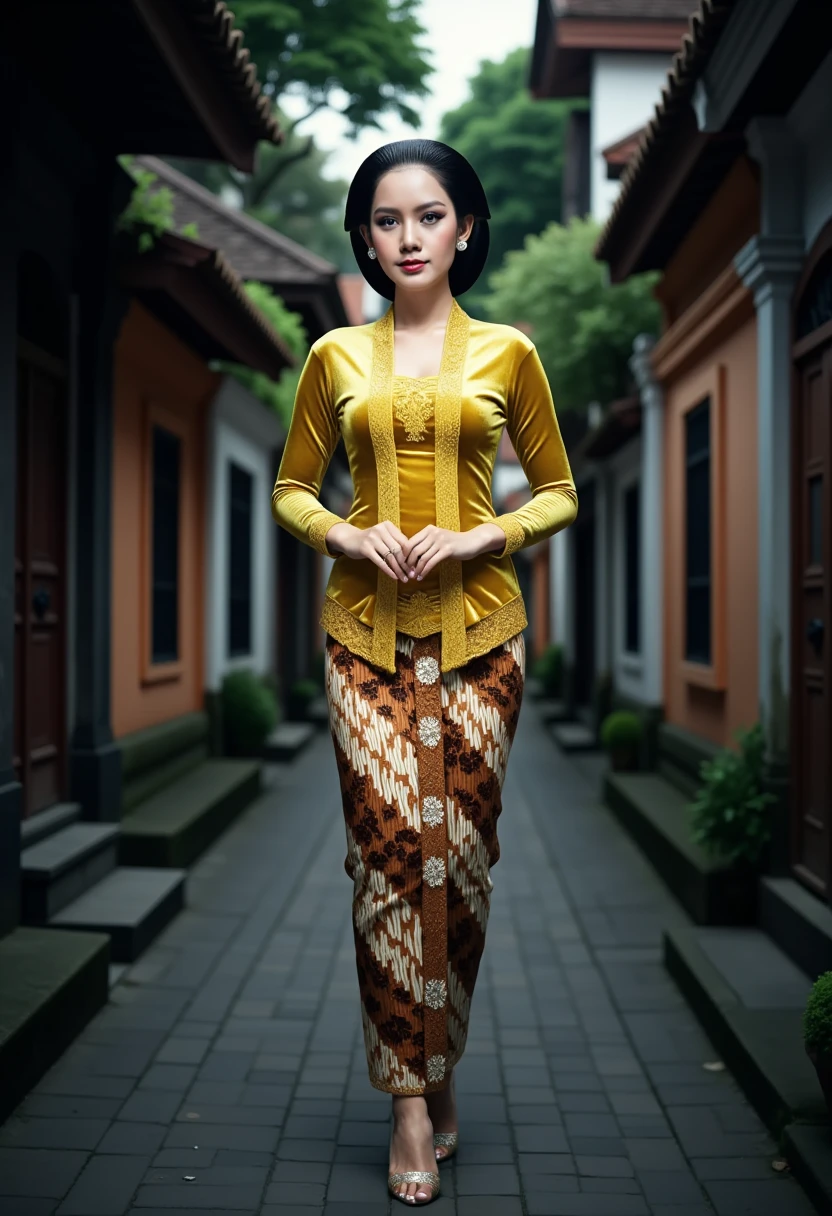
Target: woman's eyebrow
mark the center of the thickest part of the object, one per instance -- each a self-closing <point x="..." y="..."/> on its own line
<point x="437" y="202"/>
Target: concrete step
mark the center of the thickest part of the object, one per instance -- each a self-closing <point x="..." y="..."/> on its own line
<point x="46" y="823"/>
<point x="574" y="737"/>
<point x="551" y="710"/>
<point x="749" y="997"/>
<point x="51" y="985"/>
<point x="132" y="905"/>
<point x="60" y="868"/>
<point x="656" y="815"/>
<point x="288" y="740"/>
<point x="177" y="824"/>
<point x="799" y="922"/>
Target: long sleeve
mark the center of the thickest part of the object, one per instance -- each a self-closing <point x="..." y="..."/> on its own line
<point x="313" y="437"/>
<point x="533" y="429"/>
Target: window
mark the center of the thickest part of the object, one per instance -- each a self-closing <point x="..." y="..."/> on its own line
<point x="239" y="561"/>
<point x="632" y="569"/>
<point x="698" y="533"/>
<point x="167" y="457"/>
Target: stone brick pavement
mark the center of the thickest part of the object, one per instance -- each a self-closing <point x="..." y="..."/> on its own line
<point x="227" y="1074"/>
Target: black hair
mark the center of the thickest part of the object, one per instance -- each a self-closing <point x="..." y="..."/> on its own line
<point x="457" y="178"/>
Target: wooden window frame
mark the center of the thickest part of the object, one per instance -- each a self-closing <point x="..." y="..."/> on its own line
<point x="152" y="672"/>
<point x="238" y="655"/>
<point x="709" y="384"/>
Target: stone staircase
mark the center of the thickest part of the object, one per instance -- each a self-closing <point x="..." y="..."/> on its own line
<point x="71" y="879"/>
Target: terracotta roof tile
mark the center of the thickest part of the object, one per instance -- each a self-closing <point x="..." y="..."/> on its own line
<point x="213" y="24"/>
<point x="255" y="250"/>
<point x="706" y="24"/>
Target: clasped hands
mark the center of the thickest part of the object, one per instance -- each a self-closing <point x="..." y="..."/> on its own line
<point x="405" y="558"/>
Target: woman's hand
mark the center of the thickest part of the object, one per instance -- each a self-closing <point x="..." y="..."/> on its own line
<point x="383" y="544"/>
<point x="433" y="545"/>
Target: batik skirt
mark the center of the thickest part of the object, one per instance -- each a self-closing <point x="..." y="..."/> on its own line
<point x="421" y="758"/>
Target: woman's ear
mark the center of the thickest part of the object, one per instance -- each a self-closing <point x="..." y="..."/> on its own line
<point x="466" y="228"/>
<point x="365" y="232"/>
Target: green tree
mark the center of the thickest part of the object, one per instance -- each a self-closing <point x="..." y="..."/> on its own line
<point x="359" y="58"/>
<point x="279" y="395"/>
<point x="516" y="146"/>
<point x="583" y="327"/>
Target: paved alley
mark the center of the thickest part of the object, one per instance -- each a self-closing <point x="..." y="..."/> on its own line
<point x="227" y="1074"/>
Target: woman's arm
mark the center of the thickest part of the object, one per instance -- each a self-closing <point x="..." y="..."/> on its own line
<point x="533" y="429"/>
<point x="313" y="436"/>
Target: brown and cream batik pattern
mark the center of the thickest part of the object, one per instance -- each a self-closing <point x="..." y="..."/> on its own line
<point x="421" y="758"/>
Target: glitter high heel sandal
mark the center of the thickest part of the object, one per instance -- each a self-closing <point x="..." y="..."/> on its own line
<point x="448" y="1140"/>
<point x="396" y="1180"/>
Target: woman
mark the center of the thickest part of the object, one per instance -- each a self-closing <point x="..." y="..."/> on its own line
<point x="424" y="653"/>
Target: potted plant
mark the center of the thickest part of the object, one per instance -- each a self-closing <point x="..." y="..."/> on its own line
<point x="548" y="669"/>
<point x="249" y="712"/>
<point x="621" y="734"/>
<point x="730" y="818"/>
<point x="817" y="1032"/>
<point x="301" y="694"/>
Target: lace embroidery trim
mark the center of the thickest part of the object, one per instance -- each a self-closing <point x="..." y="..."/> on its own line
<point x="318" y="529"/>
<point x="414" y="405"/>
<point x="448" y="409"/>
<point x="500" y="626"/>
<point x="380" y="415"/>
<point x="515" y="533"/>
<point x="416" y="615"/>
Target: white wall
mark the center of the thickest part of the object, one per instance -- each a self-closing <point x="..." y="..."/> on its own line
<point x="243" y="430"/>
<point x="628" y="669"/>
<point x="624" y="90"/>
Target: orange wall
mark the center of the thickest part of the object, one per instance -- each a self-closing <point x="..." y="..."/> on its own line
<point x="155" y="376"/>
<point x="713" y="703"/>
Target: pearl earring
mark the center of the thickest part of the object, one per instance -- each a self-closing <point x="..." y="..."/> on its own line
<point x="371" y="253"/>
<point x="461" y="245"/>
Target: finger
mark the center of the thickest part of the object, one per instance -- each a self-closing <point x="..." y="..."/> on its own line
<point x="417" y="552"/>
<point x="375" y="557"/>
<point x="429" y="560"/>
<point x="394" y="552"/>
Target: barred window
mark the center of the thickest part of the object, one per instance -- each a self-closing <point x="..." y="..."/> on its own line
<point x="698" y="626"/>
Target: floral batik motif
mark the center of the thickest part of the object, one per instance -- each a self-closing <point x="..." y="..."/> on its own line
<point x="421" y="760"/>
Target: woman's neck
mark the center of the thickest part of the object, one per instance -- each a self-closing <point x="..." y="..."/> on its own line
<point x="421" y="311"/>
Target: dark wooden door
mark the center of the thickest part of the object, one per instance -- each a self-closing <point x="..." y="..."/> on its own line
<point x="40" y="649"/>
<point x="584" y="534"/>
<point x="812" y="625"/>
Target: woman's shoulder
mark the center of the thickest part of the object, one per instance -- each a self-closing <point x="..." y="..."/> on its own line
<point x="346" y="338"/>
<point x="509" y="337"/>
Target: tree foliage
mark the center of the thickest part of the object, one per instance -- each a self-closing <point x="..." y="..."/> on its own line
<point x="279" y="395"/>
<point x="149" y="213"/>
<point x="583" y="327"/>
<point x="515" y="143"/>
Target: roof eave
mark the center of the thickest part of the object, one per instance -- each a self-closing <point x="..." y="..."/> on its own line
<point x="200" y="282"/>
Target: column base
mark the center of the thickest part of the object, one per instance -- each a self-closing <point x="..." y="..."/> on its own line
<point x="95" y="782"/>
<point x="11" y="800"/>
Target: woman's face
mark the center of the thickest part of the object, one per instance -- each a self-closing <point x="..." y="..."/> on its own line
<point x="414" y="228"/>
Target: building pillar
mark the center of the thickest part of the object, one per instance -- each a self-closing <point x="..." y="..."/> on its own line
<point x="769" y="266"/>
<point x="651" y="625"/>
<point x="94" y="759"/>
<point x="10" y="790"/>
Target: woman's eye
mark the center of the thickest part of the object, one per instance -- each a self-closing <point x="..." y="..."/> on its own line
<point x="431" y="215"/>
<point x="386" y="221"/>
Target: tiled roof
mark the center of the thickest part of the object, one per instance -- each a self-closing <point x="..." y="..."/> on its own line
<point x="213" y="25"/>
<point x="627" y="10"/>
<point x="255" y="250"/>
<point x="687" y="67"/>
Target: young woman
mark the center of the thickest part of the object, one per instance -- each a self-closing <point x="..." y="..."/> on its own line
<point x="425" y="656"/>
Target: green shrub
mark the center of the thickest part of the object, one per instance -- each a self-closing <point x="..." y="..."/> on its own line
<point x="817" y="1018"/>
<point x="301" y="694"/>
<point x="621" y="729"/>
<point x="249" y="711"/>
<point x="729" y="816"/>
<point x="548" y="669"/>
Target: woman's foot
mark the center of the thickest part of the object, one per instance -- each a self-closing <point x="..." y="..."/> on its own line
<point x="411" y="1146"/>
<point x="442" y="1111"/>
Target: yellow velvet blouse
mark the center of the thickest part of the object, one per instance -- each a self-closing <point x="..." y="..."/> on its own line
<point x="423" y="451"/>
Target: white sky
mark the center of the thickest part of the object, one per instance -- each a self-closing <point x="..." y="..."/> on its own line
<point x="459" y="33"/>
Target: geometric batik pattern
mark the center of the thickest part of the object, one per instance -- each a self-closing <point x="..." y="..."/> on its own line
<point x="380" y="754"/>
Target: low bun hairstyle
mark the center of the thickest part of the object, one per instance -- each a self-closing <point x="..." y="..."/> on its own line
<point x="459" y="182"/>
